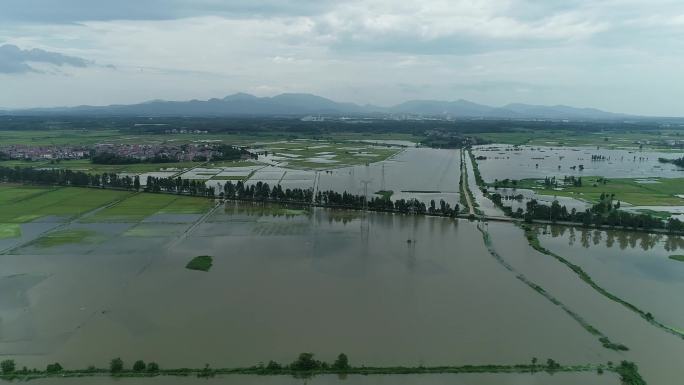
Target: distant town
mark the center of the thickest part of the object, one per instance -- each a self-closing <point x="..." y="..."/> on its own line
<point x="126" y="153"/>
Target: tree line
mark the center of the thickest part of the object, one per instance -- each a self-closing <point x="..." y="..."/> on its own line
<point x="604" y="213"/>
<point x="259" y="191"/>
<point x="61" y="177"/>
<point x="677" y="162"/>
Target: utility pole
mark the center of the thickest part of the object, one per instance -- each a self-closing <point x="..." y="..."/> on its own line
<point x="365" y="227"/>
<point x="365" y="193"/>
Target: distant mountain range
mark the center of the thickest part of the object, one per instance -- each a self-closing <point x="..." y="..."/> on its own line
<point x="294" y="104"/>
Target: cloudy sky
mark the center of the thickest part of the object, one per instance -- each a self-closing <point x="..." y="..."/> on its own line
<point x="618" y="55"/>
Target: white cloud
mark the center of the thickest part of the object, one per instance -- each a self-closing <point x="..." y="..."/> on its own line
<point x="591" y="53"/>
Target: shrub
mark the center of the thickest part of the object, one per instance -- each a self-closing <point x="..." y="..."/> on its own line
<point x="273" y="366"/>
<point x="116" y="365"/>
<point x="152" y="367"/>
<point x="305" y="362"/>
<point x="139" y="366"/>
<point x="8" y="366"/>
<point x="341" y="363"/>
<point x="54" y="368"/>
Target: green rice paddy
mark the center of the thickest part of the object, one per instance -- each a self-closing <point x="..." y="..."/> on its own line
<point x="569" y="138"/>
<point x="659" y="192"/>
<point x="86" y="166"/>
<point x="144" y="230"/>
<point x="142" y="205"/>
<point x="64" y="237"/>
<point x="9" y="230"/>
<point x="20" y="204"/>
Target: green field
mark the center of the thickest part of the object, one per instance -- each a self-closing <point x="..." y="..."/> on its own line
<point x="660" y="193"/>
<point x="19" y="204"/>
<point x="137" y="168"/>
<point x="140" y="206"/>
<point x="569" y="138"/>
<point x="64" y="237"/>
<point x="24" y="163"/>
<point x="9" y="230"/>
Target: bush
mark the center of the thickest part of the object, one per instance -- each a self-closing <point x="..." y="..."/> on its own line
<point x="116" y="365"/>
<point x="201" y="263"/>
<point x="54" y="368"/>
<point x="305" y="362"/>
<point x="139" y="366"/>
<point x="341" y="363"/>
<point x="153" y="367"/>
<point x="8" y="366"/>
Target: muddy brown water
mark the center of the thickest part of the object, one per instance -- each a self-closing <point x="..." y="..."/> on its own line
<point x="325" y="282"/>
<point x="658" y="353"/>
<point x="633" y="265"/>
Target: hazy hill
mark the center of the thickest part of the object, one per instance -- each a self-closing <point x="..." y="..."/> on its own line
<point x="296" y="104"/>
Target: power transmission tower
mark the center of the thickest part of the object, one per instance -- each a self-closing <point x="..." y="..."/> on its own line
<point x="365" y="193"/>
<point x="365" y="227"/>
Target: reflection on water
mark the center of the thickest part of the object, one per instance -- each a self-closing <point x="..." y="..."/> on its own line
<point x="519" y="162"/>
<point x="635" y="266"/>
<point x="587" y="237"/>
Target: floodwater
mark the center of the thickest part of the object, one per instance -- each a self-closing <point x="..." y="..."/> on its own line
<point x="658" y="353"/>
<point x="505" y="161"/>
<point x="405" y="379"/>
<point x="632" y="265"/>
<point x="414" y="173"/>
<point x="283" y="282"/>
<point x="410" y="174"/>
<point x="384" y="289"/>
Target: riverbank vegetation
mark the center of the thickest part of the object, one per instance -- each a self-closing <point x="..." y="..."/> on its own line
<point x="604" y="213"/>
<point x="305" y="365"/>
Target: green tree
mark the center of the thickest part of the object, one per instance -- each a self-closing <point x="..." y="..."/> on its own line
<point x="139" y="366"/>
<point x="8" y="366"/>
<point x="153" y="367"/>
<point x="54" y="368"/>
<point x="273" y="366"/>
<point x="116" y="365"/>
<point x="305" y="362"/>
<point x="342" y="362"/>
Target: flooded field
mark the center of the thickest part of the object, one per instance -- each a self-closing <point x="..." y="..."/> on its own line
<point x="283" y="282"/>
<point x="505" y="161"/>
<point x="657" y="352"/>
<point x="83" y="283"/>
<point x="413" y="173"/>
<point x="635" y="266"/>
<point x="408" y="379"/>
